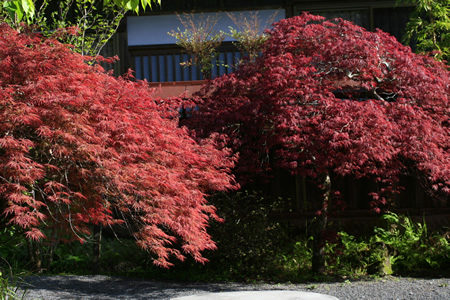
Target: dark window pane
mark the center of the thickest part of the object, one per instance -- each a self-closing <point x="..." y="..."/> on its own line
<point x="358" y="16"/>
<point x="392" y="20"/>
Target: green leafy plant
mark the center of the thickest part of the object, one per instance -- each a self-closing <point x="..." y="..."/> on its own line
<point x="71" y="258"/>
<point x="353" y="256"/>
<point x="7" y="290"/>
<point x="25" y="10"/>
<point x="200" y="39"/>
<point x="9" y="283"/>
<point x="404" y="245"/>
<point x="13" y="246"/>
<point x="295" y="261"/>
<point x="429" y="26"/>
<point x="87" y="25"/>
<point x="410" y="245"/>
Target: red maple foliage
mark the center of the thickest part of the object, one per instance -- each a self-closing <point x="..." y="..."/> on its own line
<point x="80" y="147"/>
<point x="328" y="98"/>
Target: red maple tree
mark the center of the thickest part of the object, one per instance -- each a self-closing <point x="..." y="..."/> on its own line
<point x="80" y="147"/>
<point x="328" y="99"/>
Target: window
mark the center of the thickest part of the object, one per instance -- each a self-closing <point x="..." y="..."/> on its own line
<point x="155" y="56"/>
<point x="360" y="17"/>
<point x="384" y="15"/>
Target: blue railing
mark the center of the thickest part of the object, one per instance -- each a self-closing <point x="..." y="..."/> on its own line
<point x="164" y="64"/>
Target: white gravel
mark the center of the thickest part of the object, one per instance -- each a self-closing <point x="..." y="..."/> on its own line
<point x="101" y="287"/>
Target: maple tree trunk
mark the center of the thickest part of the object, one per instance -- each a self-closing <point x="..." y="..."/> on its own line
<point x="318" y="229"/>
<point x="49" y="256"/>
<point x="96" y="247"/>
<point x="34" y="250"/>
<point x="51" y="249"/>
<point x="34" y="253"/>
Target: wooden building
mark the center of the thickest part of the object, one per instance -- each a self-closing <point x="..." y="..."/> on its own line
<point x="143" y="44"/>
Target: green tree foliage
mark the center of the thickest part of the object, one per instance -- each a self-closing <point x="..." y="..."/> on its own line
<point x="85" y="24"/>
<point x="20" y="10"/>
<point x="429" y="26"/>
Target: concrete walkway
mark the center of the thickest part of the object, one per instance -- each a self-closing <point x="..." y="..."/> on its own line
<point x="259" y="295"/>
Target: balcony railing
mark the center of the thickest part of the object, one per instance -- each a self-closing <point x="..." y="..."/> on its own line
<point x="164" y="63"/>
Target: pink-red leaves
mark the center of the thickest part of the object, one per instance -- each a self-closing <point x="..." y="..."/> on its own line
<point x="79" y="147"/>
<point x="330" y="97"/>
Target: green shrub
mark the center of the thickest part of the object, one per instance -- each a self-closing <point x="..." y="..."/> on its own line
<point x="352" y="256"/>
<point x="13" y="247"/>
<point x="73" y="258"/>
<point x="403" y="246"/>
<point x="118" y="256"/>
<point x="248" y="240"/>
<point x="410" y="245"/>
<point x="296" y="261"/>
<point x="251" y="246"/>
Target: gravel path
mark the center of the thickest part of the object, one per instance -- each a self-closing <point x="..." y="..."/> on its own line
<point x="101" y="287"/>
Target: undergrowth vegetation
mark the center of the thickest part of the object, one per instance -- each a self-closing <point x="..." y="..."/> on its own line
<point x="10" y="281"/>
<point x="254" y="247"/>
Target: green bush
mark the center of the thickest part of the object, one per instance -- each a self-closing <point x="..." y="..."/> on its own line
<point x="118" y="256"/>
<point x="73" y="258"/>
<point x="403" y="246"/>
<point x="13" y="247"/>
<point x="410" y="245"/>
<point x="352" y="256"/>
<point x="295" y="262"/>
<point x="248" y="240"/>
